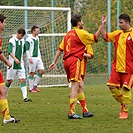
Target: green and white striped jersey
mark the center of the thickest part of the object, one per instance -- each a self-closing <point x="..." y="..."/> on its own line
<point x="32" y="45"/>
<point x="16" y="47"/>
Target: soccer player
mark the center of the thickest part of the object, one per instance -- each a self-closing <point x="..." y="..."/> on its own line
<point x="87" y="55"/>
<point x="73" y="45"/>
<point x="16" y="57"/>
<point x="3" y="90"/>
<point x="122" y="67"/>
<point x="34" y="59"/>
<point x="81" y="99"/>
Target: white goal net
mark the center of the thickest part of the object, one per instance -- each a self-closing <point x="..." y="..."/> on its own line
<point x="53" y="22"/>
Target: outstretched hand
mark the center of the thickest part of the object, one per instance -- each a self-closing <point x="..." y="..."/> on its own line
<point x="104" y="19"/>
<point x="52" y="66"/>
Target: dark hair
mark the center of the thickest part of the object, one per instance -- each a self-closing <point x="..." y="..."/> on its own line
<point x="21" y="31"/>
<point x="2" y="18"/>
<point x="75" y="19"/>
<point x="33" y="28"/>
<point x="125" y="17"/>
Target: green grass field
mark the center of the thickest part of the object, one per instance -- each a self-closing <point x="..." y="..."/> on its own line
<point x="48" y="112"/>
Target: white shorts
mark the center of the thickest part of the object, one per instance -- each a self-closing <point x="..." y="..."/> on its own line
<point x="11" y="73"/>
<point x="37" y="65"/>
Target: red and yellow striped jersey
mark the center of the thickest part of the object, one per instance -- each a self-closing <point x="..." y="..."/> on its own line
<point x="123" y="43"/>
<point x="75" y="41"/>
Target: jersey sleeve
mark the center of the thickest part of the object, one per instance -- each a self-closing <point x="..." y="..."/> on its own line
<point x="24" y="49"/>
<point x="61" y="46"/>
<point x="110" y="37"/>
<point x="9" y="48"/>
<point x="89" y="50"/>
<point x="86" y="37"/>
<point x="27" y="45"/>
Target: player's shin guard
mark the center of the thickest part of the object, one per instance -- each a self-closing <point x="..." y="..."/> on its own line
<point x="127" y="99"/>
<point x="72" y="105"/>
<point x="117" y="94"/>
<point x="5" y="109"/>
<point x="82" y="100"/>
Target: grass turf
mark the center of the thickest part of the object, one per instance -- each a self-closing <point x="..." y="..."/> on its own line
<point x="47" y="113"/>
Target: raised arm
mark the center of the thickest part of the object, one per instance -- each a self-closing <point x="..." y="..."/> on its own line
<point x="98" y="32"/>
<point x="103" y="26"/>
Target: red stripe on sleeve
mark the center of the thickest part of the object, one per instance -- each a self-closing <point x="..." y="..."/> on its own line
<point x="60" y="49"/>
<point x="96" y="40"/>
<point x="106" y="37"/>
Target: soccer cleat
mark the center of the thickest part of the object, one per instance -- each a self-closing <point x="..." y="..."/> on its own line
<point x="32" y="90"/>
<point x="27" y="100"/>
<point x="124" y="115"/>
<point x="74" y="116"/>
<point x="11" y="120"/>
<point x="36" y="88"/>
<point x="88" y="114"/>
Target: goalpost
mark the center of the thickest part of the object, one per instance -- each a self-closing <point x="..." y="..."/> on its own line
<point x="53" y="22"/>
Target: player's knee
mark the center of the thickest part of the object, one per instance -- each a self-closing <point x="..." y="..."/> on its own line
<point x="9" y="81"/>
<point x="3" y="90"/>
<point x="41" y="72"/>
<point x="31" y="74"/>
<point x="22" y="81"/>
